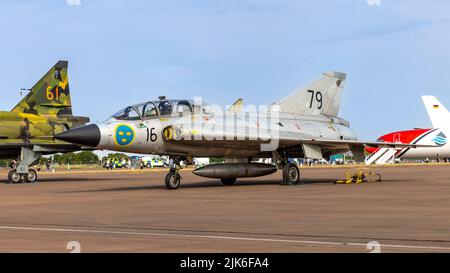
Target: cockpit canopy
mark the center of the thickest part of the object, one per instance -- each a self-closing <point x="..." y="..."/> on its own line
<point x="156" y="108"/>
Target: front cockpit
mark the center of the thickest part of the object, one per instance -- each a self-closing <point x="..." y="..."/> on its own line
<point x="158" y="108"/>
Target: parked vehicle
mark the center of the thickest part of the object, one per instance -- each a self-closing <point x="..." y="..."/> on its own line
<point x="115" y="164"/>
<point x="153" y="161"/>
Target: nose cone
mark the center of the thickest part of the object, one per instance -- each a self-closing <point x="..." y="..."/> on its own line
<point x="88" y="135"/>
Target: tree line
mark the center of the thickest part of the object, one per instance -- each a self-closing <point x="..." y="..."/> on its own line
<point x="85" y="157"/>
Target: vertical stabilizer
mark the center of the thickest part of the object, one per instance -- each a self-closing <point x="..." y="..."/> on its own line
<point x="50" y="95"/>
<point x="321" y="97"/>
<point x="439" y="116"/>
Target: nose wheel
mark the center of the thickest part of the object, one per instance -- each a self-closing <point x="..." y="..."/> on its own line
<point x="14" y="177"/>
<point x="31" y="176"/>
<point x="173" y="180"/>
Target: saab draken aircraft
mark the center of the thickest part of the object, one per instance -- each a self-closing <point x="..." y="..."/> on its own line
<point x="26" y="132"/>
<point x="302" y="125"/>
<point x="440" y="119"/>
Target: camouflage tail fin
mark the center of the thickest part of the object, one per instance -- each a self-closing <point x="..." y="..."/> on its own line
<point x="50" y="95"/>
<point x="237" y="106"/>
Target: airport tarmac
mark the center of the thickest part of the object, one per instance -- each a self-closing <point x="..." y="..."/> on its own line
<point x="114" y="211"/>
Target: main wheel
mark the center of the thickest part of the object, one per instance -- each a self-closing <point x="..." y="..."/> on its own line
<point x="14" y="177"/>
<point x="291" y="174"/>
<point x="31" y="177"/>
<point x="173" y="181"/>
<point x="149" y="165"/>
<point x="228" y="181"/>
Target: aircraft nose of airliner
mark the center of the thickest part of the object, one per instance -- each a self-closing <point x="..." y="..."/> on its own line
<point x="88" y="135"/>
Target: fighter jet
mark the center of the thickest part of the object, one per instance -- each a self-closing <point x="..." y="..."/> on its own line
<point x="26" y="132"/>
<point x="302" y="125"/>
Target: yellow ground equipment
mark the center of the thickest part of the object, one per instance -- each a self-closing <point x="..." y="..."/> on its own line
<point x="359" y="177"/>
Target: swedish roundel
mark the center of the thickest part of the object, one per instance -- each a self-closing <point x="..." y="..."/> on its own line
<point x="124" y="135"/>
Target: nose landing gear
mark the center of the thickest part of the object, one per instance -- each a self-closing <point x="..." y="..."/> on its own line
<point x="173" y="178"/>
<point x="20" y="170"/>
<point x="15" y="177"/>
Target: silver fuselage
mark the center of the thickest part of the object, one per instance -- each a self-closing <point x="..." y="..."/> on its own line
<point x="146" y="135"/>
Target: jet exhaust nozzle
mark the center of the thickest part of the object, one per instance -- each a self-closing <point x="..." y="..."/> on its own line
<point x="88" y="135"/>
<point x="235" y="170"/>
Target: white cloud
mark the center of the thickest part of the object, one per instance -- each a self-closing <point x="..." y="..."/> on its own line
<point x="374" y="2"/>
<point x="73" y="2"/>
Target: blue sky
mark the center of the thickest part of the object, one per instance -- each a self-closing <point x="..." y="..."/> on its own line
<point x="123" y="52"/>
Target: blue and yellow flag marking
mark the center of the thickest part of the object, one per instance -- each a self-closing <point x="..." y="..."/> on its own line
<point x="124" y="135"/>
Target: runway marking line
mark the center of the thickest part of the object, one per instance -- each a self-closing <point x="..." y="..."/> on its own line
<point x="307" y="242"/>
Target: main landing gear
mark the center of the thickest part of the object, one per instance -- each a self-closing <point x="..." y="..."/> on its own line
<point x="20" y="171"/>
<point x="173" y="180"/>
<point x="291" y="173"/>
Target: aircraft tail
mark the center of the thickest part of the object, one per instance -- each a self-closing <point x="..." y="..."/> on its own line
<point x="237" y="106"/>
<point x="50" y="95"/>
<point x="439" y="115"/>
<point x="321" y="97"/>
